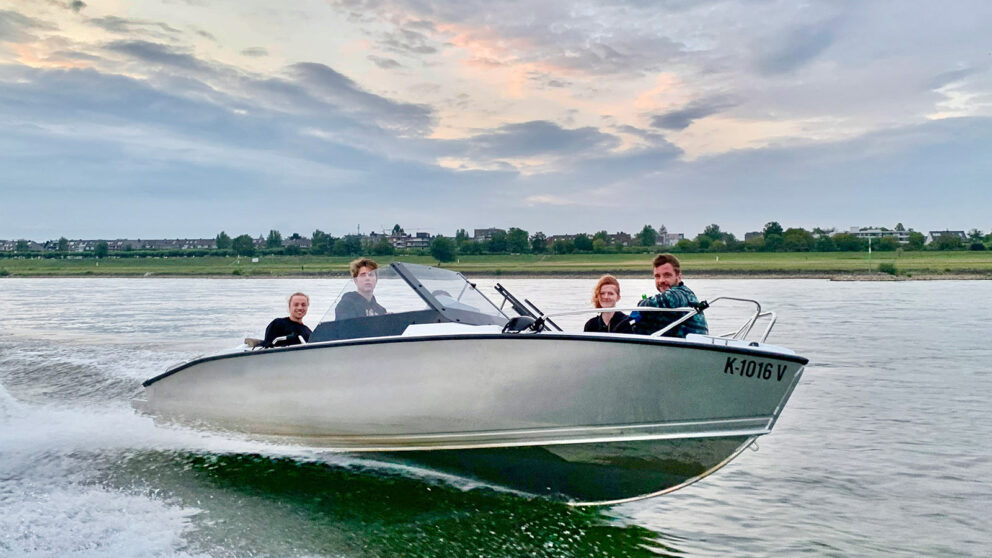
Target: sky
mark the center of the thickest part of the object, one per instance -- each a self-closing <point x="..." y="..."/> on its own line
<point x="182" y="118"/>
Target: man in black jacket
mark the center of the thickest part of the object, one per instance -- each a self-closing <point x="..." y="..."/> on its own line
<point x="289" y="330"/>
<point x="361" y="302"/>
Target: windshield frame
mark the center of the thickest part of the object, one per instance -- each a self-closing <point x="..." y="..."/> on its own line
<point x="414" y="275"/>
<point x="466" y="304"/>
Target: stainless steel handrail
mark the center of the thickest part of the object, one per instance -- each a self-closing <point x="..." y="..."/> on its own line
<point x="740" y="333"/>
<point x="771" y="324"/>
<point x="617" y="309"/>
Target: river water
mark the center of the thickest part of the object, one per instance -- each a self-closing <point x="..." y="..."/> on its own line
<point x="885" y="448"/>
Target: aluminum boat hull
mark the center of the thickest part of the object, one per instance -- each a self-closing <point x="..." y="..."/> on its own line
<point x="584" y="417"/>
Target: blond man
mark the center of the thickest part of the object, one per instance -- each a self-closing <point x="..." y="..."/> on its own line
<point x="289" y="330"/>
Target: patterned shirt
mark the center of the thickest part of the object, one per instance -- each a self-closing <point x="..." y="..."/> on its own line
<point x="676" y="297"/>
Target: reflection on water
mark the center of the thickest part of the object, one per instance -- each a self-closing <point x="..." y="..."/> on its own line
<point x="255" y="505"/>
<point x="881" y="451"/>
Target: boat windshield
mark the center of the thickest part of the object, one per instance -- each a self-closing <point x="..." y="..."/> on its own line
<point x="404" y="287"/>
<point x="449" y="290"/>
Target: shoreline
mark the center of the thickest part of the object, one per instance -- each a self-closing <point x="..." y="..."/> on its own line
<point x="835" y="266"/>
<point x="552" y="274"/>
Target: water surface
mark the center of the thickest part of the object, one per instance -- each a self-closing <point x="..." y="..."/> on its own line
<point x="885" y="448"/>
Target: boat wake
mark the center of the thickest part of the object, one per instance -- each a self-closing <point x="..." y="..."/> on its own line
<point x="102" y="480"/>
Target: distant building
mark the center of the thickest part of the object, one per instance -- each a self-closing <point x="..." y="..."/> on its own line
<point x="616" y="239"/>
<point x="298" y="241"/>
<point x="164" y="244"/>
<point x="11" y="246"/>
<point x="401" y="241"/>
<point x="419" y="240"/>
<point x="620" y="239"/>
<point x="934" y="235"/>
<point x="560" y="237"/>
<point x="482" y="235"/>
<point x="754" y="234"/>
<point x="901" y="236"/>
<point x="122" y="244"/>
<point x="669" y="239"/>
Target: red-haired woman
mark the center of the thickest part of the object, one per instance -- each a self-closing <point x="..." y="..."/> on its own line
<point x="605" y="295"/>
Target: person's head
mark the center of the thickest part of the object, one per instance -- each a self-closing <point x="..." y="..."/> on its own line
<point x="363" y="272"/>
<point x="299" y="303"/>
<point x="667" y="272"/>
<point x="607" y="292"/>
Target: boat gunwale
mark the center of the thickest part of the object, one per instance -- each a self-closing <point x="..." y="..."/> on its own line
<point x="586" y="337"/>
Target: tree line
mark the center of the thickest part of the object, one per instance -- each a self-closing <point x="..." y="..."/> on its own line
<point x="773" y="238"/>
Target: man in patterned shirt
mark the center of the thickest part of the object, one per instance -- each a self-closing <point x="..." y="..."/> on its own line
<point x="672" y="293"/>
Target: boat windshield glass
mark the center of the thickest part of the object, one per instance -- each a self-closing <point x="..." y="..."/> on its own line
<point x="451" y="290"/>
<point x="404" y="287"/>
<point x="379" y="292"/>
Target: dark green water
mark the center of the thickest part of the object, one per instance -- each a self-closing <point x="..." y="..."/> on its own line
<point x="256" y="505"/>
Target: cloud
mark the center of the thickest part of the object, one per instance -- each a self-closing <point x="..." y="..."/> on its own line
<point x="329" y="85"/>
<point x="126" y="26"/>
<point x="886" y="176"/>
<point x="74" y="5"/>
<point x="255" y="52"/>
<point x="138" y="125"/>
<point x="408" y="41"/>
<point x="597" y="39"/>
<point x="384" y="63"/>
<point x="648" y="136"/>
<point x="947" y="78"/>
<point x="67" y="55"/>
<point x="308" y="87"/>
<point x="157" y="54"/>
<point x="499" y="112"/>
<point x="535" y="139"/>
<point x="205" y="34"/>
<point x="86" y="142"/>
<point x="546" y="199"/>
<point x="17" y="28"/>
<point x="797" y="48"/>
<point x="684" y="117"/>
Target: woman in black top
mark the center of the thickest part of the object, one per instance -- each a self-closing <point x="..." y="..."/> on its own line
<point x="605" y="295"/>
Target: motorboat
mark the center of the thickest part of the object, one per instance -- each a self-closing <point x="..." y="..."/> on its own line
<point x="492" y="390"/>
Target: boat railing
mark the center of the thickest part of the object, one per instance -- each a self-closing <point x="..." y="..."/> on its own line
<point x="740" y="334"/>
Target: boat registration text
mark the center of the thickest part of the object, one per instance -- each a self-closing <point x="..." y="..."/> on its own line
<point x="754" y="369"/>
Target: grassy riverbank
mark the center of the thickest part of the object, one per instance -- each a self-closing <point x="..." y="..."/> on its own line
<point x="817" y="264"/>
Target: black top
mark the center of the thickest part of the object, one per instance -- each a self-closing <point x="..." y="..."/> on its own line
<point x="354" y="305"/>
<point x="619" y="323"/>
<point x="280" y="327"/>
